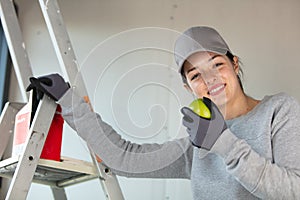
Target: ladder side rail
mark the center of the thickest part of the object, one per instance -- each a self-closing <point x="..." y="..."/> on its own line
<point x="16" y="45"/>
<point x="7" y="122"/>
<point x="28" y="161"/>
<point x="62" y="45"/>
<point x="109" y="181"/>
<point x="70" y="68"/>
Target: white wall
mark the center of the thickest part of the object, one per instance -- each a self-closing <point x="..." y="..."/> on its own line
<point x="136" y="88"/>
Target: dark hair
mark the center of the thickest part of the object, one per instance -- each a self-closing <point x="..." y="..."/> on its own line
<point x="230" y="56"/>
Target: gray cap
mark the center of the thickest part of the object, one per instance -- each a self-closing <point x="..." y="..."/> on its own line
<point x="196" y="39"/>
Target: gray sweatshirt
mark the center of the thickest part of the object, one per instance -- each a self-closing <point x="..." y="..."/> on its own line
<point x="256" y="158"/>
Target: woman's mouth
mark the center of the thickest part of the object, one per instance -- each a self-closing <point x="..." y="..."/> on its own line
<point x="216" y="89"/>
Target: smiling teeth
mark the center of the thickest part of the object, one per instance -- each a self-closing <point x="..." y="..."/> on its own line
<point x="216" y="89"/>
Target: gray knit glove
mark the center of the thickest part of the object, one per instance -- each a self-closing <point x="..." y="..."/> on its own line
<point x="52" y="85"/>
<point x="204" y="132"/>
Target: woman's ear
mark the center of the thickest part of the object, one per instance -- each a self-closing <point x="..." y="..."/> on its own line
<point x="236" y="66"/>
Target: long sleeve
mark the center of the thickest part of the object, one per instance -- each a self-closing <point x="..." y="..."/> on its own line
<point x="267" y="177"/>
<point x="168" y="160"/>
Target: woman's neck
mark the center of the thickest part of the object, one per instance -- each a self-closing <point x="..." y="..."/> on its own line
<point x="239" y="106"/>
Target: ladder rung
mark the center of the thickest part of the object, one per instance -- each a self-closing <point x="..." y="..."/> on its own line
<point x="68" y="171"/>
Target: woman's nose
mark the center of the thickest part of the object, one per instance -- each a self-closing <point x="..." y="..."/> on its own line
<point x="209" y="76"/>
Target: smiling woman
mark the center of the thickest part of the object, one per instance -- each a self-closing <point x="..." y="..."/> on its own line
<point x="247" y="149"/>
<point x="245" y="168"/>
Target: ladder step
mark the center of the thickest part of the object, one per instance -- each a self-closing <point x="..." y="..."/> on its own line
<point x="68" y="171"/>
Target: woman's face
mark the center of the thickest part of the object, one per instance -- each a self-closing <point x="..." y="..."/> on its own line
<point x="213" y="76"/>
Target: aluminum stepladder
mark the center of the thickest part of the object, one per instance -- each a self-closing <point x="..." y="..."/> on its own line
<point x="28" y="167"/>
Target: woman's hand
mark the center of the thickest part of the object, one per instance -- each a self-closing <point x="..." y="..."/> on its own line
<point x="204" y="132"/>
<point x="52" y="85"/>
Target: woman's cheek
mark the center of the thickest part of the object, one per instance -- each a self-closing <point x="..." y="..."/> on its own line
<point x="199" y="89"/>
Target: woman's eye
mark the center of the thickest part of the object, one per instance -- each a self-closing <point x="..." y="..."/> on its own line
<point x="195" y="76"/>
<point x="218" y="64"/>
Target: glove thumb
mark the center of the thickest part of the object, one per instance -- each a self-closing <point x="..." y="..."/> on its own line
<point x="186" y="111"/>
<point x="33" y="83"/>
<point x="188" y="114"/>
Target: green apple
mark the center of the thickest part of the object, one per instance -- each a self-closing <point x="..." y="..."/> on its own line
<point x="199" y="107"/>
